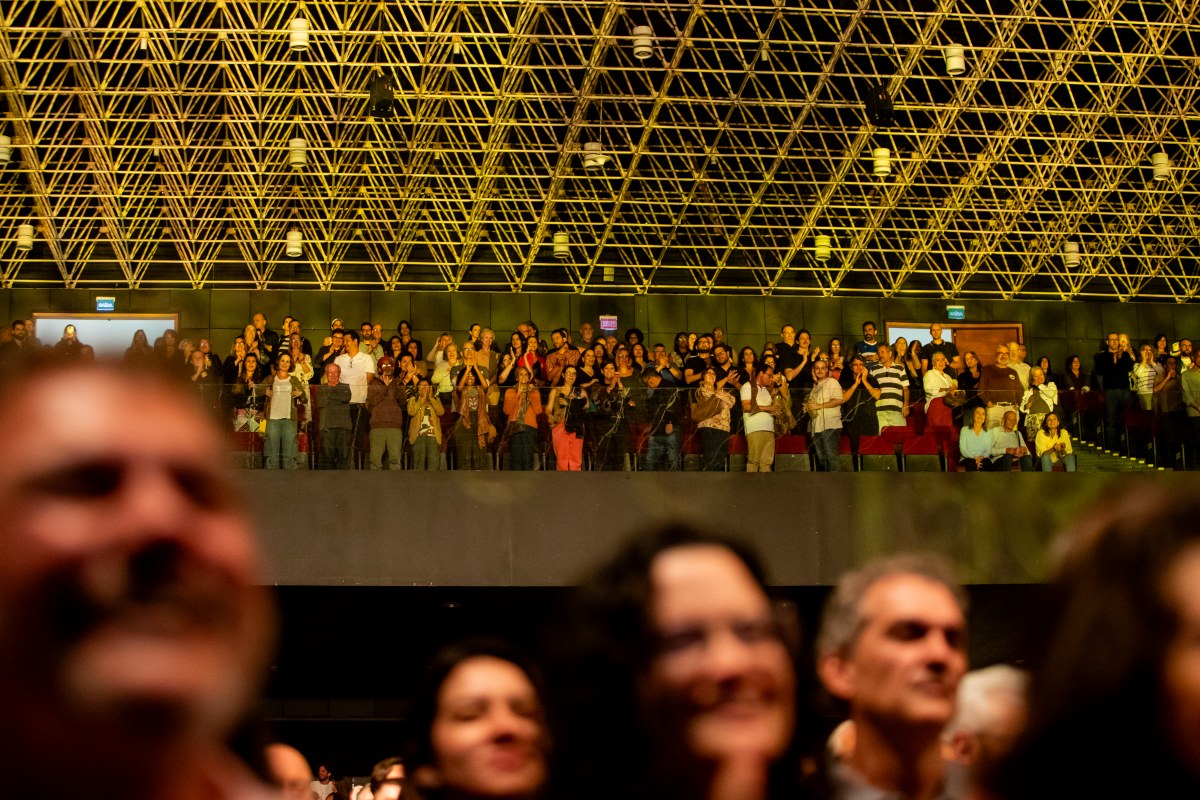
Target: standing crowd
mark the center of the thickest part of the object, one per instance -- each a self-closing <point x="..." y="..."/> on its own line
<point x="583" y="401"/>
<point x="133" y="587"/>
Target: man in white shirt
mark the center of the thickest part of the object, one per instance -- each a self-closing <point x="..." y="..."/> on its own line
<point x="823" y="406"/>
<point x="358" y="369"/>
<point x="757" y="403"/>
<point x="1007" y="445"/>
<point x="324" y="786"/>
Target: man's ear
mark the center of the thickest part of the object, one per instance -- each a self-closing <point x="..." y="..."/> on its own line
<point x="962" y="748"/>
<point x="838" y="675"/>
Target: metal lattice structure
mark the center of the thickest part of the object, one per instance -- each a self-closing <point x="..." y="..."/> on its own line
<point x="151" y="139"/>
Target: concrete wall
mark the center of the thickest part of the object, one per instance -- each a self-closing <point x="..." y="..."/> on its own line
<point x="1055" y="329"/>
<point x="509" y="529"/>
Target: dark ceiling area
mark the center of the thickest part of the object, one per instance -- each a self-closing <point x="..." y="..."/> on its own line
<point x="884" y="148"/>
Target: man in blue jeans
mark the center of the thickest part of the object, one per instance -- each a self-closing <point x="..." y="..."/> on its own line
<point x="823" y="407"/>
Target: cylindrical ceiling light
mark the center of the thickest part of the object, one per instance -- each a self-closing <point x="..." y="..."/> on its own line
<point x="593" y="155"/>
<point x="295" y="243"/>
<point x="1071" y="254"/>
<point x="298" y="34"/>
<point x="956" y="59"/>
<point x="883" y="161"/>
<point x="562" y="245"/>
<point x="298" y="153"/>
<point x="643" y="42"/>
<point x="1162" y="166"/>
<point x="24" y="237"/>
<point x="823" y="248"/>
<point x="5" y="148"/>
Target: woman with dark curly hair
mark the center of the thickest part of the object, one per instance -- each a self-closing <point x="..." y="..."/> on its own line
<point x="676" y="665"/>
<point x="1114" y="705"/>
<point x="478" y="728"/>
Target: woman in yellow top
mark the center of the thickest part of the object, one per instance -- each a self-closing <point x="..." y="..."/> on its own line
<point x="1053" y="444"/>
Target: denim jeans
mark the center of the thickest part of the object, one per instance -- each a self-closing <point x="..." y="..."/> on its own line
<point x="1068" y="460"/>
<point x="280" y="445"/>
<point x="1115" y="403"/>
<point x="825" y="447"/>
<point x="662" y="452"/>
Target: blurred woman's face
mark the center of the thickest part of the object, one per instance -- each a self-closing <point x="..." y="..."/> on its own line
<point x="517" y="343"/>
<point x="1074" y="363"/>
<point x="722" y="680"/>
<point x="939" y="361"/>
<point x="589" y="358"/>
<point x="569" y="375"/>
<point x="1052" y="421"/>
<point x="251" y="364"/>
<point x="979" y="415"/>
<point x="239" y="347"/>
<point x="1147" y="353"/>
<point x="488" y="736"/>
<point x="451" y="354"/>
<point x="1037" y="376"/>
<point x="1181" y="662"/>
<point x="900" y="347"/>
<point x="970" y="360"/>
<point x="835" y="347"/>
<point x="249" y="333"/>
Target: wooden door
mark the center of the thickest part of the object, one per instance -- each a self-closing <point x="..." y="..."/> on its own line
<point x="984" y="338"/>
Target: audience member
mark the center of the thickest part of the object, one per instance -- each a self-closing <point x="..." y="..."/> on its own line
<point x="674" y="663"/>
<point x="858" y="402"/>
<point x="939" y="345"/>
<point x="710" y="412"/>
<point x="424" y="427"/>
<point x="868" y="346"/>
<point x="893" y="648"/>
<point x="1114" y="703"/>
<point x="1110" y="372"/>
<point x="132" y="583"/>
<point x="478" y="726"/>
<point x="664" y="406"/>
<point x="1008" y="446"/>
<point x="823" y="406"/>
<point x="386" y="401"/>
<point x="1053" y="444"/>
<point x="990" y="716"/>
<point x="939" y="388"/>
<point x="566" y="409"/>
<point x="999" y="387"/>
<point x="975" y="444"/>
<point x="290" y="771"/>
<point x="1039" y="400"/>
<point x="1016" y="362"/>
<point x="473" y="430"/>
<point x="522" y="404"/>
<point x="891" y="406"/>
<point x="758" y="409"/>
<point x="333" y="404"/>
<point x="283" y="393"/>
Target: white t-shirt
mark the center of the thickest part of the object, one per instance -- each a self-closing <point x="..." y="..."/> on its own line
<point x="757" y="420"/>
<point x="281" y="398"/>
<point x="357" y="372"/>
<point x="826" y="418"/>
<point x="323" y="790"/>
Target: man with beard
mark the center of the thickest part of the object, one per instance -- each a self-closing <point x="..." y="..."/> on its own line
<point x="131" y="582"/>
<point x="693" y="368"/>
<point x="893" y="647"/>
<point x="17" y="350"/>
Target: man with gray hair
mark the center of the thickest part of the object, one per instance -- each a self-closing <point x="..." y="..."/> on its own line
<point x="990" y="716"/>
<point x="893" y="647"/>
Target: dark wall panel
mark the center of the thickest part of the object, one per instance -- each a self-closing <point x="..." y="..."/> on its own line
<point x="78" y="300"/>
<point x="312" y="309"/>
<point x="24" y="302"/>
<point x="353" y="307"/>
<point x="745" y="314"/>
<point x="706" y="313"/>
<point x="545" y="529"/>
<point x="509" y="311"/>
<point x="783" y="311"/>
<point x="388" y="308"/>
<point x="230" y="308"/>
<point x="824" y="316"/>
<point x="468" y="308"/>
<point x="192" y="307"/>
<point x="430" y="311"/>
<point x="1121" y="317"/>
<point x="1085" y="320"/>
<point x="1187" y="321"/>
<point x="667" y="313"/>
<point x="1153" y="320"/>
<point x="273" y="305"/>
<point x="552" y="311"/>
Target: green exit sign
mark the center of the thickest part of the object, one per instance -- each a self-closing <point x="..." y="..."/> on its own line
<point x="956" y="312"/>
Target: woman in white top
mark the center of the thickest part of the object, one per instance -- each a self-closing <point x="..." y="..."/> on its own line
<point x="1146" y="373"/>
<point x="443" y="384"/>
<point x="283" y="390"/>
<point x="937" y="383"/>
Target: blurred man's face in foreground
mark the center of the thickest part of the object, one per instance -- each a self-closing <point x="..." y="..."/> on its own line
<point x="130" y="578"/>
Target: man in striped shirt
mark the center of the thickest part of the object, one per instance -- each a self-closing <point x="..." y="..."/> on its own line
<point x="892" y="406"/>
